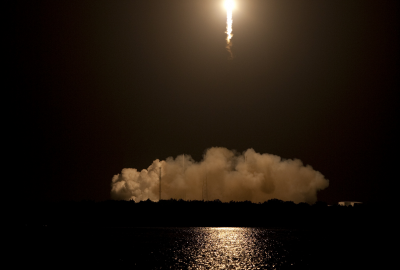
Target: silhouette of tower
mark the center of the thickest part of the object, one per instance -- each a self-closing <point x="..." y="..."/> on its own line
<point x="160" y="185"/>
<point x="204" y="194"/>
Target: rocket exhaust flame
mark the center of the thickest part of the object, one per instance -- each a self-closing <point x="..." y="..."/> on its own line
<point x="229" y="5"/>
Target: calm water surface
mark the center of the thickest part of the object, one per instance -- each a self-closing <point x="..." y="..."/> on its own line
<point x="215" y="248"/>
<point x="194" y="248"/>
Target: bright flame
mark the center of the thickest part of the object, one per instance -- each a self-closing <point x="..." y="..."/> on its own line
<point x="229" y="5"/>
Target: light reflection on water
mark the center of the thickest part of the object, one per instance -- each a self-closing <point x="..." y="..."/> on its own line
<point x="228" y="248"/>
<point x="172" y="248"/>
<point x="197" y="248"/>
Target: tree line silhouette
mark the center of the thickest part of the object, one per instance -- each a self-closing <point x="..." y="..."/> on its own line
<point x="180" y="213"/>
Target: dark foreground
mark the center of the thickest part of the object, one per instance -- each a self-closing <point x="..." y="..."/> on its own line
<point x="275" y="235"/>
<point x="173" y="213"/>
<point x="197" y="248"/>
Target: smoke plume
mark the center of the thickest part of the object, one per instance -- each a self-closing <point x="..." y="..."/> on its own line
<point x="223" y="175"/>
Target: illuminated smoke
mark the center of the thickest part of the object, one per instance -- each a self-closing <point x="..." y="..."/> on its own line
<point x="229" y="5"/>
<point x="223" y="175"/>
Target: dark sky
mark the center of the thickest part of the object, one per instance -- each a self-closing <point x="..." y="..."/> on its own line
<point x="105" y="85"/>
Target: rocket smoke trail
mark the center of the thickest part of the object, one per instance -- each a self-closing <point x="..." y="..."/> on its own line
<point x="229" y="4"/>
<point x="224" y="175"/>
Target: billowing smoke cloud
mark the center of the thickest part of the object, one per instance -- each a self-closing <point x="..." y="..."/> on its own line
<point x="223" y="175"/>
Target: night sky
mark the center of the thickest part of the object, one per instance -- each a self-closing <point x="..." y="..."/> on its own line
<point x="99" y="86"/>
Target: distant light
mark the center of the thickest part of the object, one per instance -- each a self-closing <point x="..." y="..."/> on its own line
<point x="349" y="203"/>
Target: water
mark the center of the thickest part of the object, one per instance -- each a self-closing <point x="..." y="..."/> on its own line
<point x="190" y="248"/>
<point x="213" y="248"/>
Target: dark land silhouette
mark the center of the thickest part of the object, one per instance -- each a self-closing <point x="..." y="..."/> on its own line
<point x="180" y="213"/>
